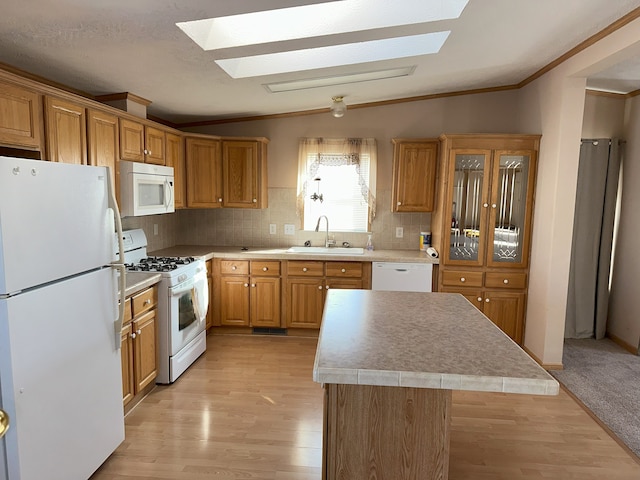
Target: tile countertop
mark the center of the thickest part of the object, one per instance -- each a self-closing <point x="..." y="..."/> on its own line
<point x="267" y="253"/>
<point x="423" y="340"/>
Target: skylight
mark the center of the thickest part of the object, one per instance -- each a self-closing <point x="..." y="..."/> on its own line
<point x="334" y="55"/>
<point x="316" y="20"/>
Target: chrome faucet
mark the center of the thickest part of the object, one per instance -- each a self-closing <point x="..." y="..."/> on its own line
<point x="327" y="242"/>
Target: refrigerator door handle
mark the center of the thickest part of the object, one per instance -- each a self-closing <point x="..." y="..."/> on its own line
<point x="113" y="204"/>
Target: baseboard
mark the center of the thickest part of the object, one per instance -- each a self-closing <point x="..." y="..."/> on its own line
<point x="617" y="340"/>
<point x="546" y="366"/>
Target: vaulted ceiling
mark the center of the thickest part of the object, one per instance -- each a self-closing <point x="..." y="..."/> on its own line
<point x="135" y="46"/>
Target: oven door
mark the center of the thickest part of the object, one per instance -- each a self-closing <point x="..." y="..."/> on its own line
<point x="188" y="304"/>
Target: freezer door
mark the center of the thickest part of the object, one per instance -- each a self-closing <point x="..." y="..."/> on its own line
<point x="54" y="221"/>
<point x="60" y="378"/>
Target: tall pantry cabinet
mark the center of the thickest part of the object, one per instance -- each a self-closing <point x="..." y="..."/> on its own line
<point x="482" y="223"/>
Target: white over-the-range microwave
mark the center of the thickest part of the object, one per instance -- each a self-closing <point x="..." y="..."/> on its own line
<point x="145" y="189"/>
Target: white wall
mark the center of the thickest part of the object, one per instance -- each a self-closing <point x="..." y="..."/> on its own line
<point x="624" y="320"/>
<point x="554" y="105"/>
<point x="603" y="116"/>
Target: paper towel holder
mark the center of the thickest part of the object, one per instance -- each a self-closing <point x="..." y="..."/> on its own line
<point x="432" y="252"/>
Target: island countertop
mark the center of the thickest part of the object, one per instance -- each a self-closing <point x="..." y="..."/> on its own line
<point x="423" y="340"/>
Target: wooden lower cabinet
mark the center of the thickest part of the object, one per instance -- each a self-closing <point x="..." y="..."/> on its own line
<point x="308" y="281"/>
<point x="249" y="293"/>
<point x="139" y="345"/>
<point x="504" y="308"/>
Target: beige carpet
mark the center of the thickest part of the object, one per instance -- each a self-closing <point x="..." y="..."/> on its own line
<point x="606" y="378"/>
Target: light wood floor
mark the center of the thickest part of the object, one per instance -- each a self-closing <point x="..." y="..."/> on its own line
<point x="248" y="409"/>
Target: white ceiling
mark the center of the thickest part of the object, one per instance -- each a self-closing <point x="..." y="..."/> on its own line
<point x="114" y="46"/>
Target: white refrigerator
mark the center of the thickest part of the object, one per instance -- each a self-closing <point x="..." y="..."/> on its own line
<point x="60" y="373"/>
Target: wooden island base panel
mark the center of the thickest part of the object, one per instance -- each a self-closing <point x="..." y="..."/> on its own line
<point x="395" y="432"/>
<point x="389" y="362"/>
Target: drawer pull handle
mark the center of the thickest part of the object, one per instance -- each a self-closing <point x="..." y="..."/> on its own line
<point x="319" y="287"/>
<point x="139" y="332"/>
<point x="479" y="299"/>
<point x="344" y="270"/>
<point x="264" y="269"/>
<point x="246" y="284"/>
<point x="327" y="287"/>
<point x="487" y="300"/>
<point x="234" y="267"/>
<point x="220" y="200"/>
<point x="133" y="335"/>
<point x="399" y="203"/>
<point x="147" y="301"/>
<point x="304" y="269"/>
<point x="253" y="285"/>
<point x="462" y="279"/>
<point x="505" y="281"/>
<point x="493" y="205"/>
<point x="255" y="200"/>
<point x="485" y="205"/>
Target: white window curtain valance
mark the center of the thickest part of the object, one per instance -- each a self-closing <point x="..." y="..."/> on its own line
<point x="336" y="152"/>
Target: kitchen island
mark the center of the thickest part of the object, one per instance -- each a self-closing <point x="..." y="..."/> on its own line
<point x="389" y="362"/>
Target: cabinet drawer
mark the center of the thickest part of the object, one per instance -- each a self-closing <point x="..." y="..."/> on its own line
<point x="305" y="269"/>
<point x="269" y="269"/>
<point x="462" y="278"/>
<point x="344" y="269"/>
<point x="144" y="301"/>
<point x="505" y="280"/>
<point x="234" y="267"/>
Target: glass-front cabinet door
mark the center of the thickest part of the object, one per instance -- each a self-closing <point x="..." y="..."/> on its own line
<point x="509" y="217"/>
<point x="469" y="178"/>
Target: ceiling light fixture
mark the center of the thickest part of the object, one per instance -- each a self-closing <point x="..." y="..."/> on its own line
<point x="338" y="107"/>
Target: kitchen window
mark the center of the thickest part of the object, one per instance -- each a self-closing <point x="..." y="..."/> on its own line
<point x="337" y="178"/>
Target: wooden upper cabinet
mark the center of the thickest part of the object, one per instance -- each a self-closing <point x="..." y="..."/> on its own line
<point x="154" y="146"/>
<point x="141" y="143"/>
<point x="20" y="117"/>
<point x="175" y="158"/>
<point x="414" y="175"/>
<point x="131" y="140"/>
<point x="204" y="173"/>
<point x="103" y="139"/>
<point x="66" y="131"/>
<point x="244" y="174"/>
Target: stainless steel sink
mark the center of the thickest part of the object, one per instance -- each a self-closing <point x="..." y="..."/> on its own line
<point x="327" y="250"/>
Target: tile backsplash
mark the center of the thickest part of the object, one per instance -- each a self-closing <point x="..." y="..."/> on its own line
<point x="250" y="228"/>
<point x="240" y="227"/>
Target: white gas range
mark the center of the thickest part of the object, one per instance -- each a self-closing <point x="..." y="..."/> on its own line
<point x="183" y="300"/>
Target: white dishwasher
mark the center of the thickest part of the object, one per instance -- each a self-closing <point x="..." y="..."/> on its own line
<point x="401" y="277"/>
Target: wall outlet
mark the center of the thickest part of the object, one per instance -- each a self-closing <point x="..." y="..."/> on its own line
<point x="289" y="229"/>
<point x="272" y="229"/>
<point x="399" y="232"/>
<point x="155" y="229"/>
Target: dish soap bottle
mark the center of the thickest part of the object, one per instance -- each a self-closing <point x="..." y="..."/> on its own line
<point x="369" y="244"/>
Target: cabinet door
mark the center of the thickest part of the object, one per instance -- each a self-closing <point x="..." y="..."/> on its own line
<point x="506" y="310"/>
<point x="131" y="140"/>
<point x="204" y="173"/>
<point x="414" y="176"/>
<point x="126" y="354"/>
<point x="102" y="134"/>
<point x="240" y="174"/>
<point x="154" y="147"/>
<point x="174" y="157"/>
<point x="66" y="131"/>
<point x="265" y="302"/>
<point x="146" y="368"/>
<point x="467" y="205"/>
<point x="305" y="302"/>
<point x="20" y="116"/>
<point x="234" y="298"/>
<point x="509" y="222"/>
